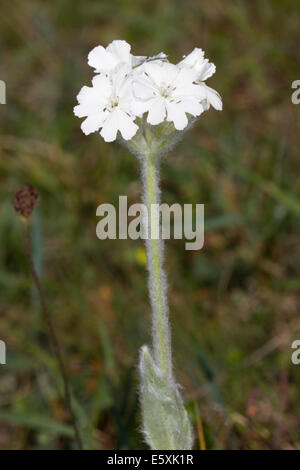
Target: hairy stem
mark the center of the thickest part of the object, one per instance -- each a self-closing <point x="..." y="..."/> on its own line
<point x="157" y="282"/>
<point x="54" y="339"/>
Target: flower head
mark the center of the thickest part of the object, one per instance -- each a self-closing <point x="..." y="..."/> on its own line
<point x="127" y="87"/>
<point x="107" y="105"/>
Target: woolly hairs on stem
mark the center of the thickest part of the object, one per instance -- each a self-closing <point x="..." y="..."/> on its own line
<point x="165" y="421"/>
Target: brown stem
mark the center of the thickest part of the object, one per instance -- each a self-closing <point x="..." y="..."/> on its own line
<point x="54" y="340"/>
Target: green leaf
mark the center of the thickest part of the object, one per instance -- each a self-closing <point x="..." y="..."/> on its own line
<point x="38" y="422"/>
<point x="166" y="424"/>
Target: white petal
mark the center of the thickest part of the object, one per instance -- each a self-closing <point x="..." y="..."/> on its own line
<point x="191" y="91"/>
<point x="122" y="81"/>
<point x="110" y="128"/>
<point x="102" y="87"/>
<point x="177" y="115"/>
<point x="82" y="110"/>
<point x="144" y="88"/>
<point x="193" y="59"/>
<point x="207" y="70"/>
<point x="93" y="123"/>
<point x="88" y="95"/>
<point x="169" y="72"/>
<point x="213" y="97"/>
<point x="120" y="50"/>
<point x="185" y="78"/>
<point x="101" y="60"/>
<point x="154" y="71"/>
<point x="126" y="125"/>
<point x="191" y="106"/>
<point x="157" y="111"/>
<point x="139" y="107"/>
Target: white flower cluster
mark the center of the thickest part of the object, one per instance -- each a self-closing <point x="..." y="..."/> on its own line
<point x="125" y="87"/>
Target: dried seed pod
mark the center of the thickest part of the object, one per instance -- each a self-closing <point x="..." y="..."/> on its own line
<point x="25" y="201"/>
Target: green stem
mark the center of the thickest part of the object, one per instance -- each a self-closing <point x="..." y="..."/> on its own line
<point x="157" y="284"/>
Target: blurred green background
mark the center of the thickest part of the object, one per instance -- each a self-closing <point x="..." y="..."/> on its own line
<point x="234" y="305"/>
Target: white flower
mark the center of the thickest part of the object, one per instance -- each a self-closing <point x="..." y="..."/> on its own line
<point x="203" y="70"/>
<point x="195" y="60"/>
<point x="107" y="105"/>
<point x="166" y="91"/>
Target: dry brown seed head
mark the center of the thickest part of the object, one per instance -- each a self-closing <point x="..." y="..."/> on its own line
<point x="25" y="201"/>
